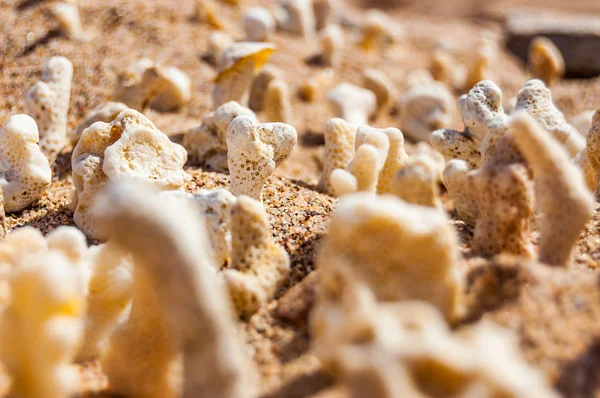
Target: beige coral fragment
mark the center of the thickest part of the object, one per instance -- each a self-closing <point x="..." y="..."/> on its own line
<point x="339" y="150"/>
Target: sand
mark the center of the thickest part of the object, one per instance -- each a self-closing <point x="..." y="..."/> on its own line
<point x="555" y="312"/>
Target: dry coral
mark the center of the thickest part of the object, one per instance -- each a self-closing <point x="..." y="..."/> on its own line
<point x="545" y="60"/>
<point x="416" y="181"/>
<point x="207" y="143"/>
<point x="296" y="17"/>
<point x="352" y="103"/>
<point x="69" y="21"/>
<point x="339" y="151"/>
<point x="259" y="24"/>
<point x="25" y="172"/>
<point x="259" y="86"/>
<point x="179" y="308"/>
<point x="48" y="103"/>
<point x="237" y="67"/>
<point x="105" y="112"/>
<point x="254" y="151"/>
<point x="42" y="324"/>
<point x="278" y="102"/>
<point x="129" y="147"/>
<point x="258" y="264"/>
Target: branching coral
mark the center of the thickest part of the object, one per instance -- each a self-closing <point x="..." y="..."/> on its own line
<point x="48" y="103"/>
<point x="254" y="151"/>
<point x="178" y="304"/>
<point x="207" y="143"/>
<point x="258" y="264"/>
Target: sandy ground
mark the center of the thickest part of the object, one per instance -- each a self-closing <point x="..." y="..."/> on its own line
<point x="555" y="312"/>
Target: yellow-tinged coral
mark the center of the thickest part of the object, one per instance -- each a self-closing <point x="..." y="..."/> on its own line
<point x="258" y="264"/>
<point x="545" y="60"/>
<point x="352" y="103"/>
<point x="416" y="181"/>
<point x="339" y="150"/>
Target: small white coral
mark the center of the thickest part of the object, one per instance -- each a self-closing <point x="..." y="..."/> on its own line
<point x="339" y="150"/>
<point x="48" y="103"/>
<point x="561" y="192"/>
<point x="259" y="86"/>
<point x="460" y="189"/>
<point x="278" y="103"/>
<point x="46" y="307"/>
<point x="362" y="173"/>
<point x="259" y="24"/>
<point x="331" y="40"/>
<point x="216" y="44"/>
<point x="67" y="15"/>
<point x="106" y="112"/>
<point x="425" y="108"/>
<point x="382" y="86"/>
<point x="207" y="143"/>
<point x="150" y="84"/>
<point x="237" y="67"/>
<point x="128" y="147"/>
<point x="179" y="307"/>
<point x="416" y="182"/>
<point x="376" y="31"/>
<point x="258" y="264"/>
<point x="316" y="85"/>
<point x="24" y="170"/>
<point x="254" y="151"/>
<point x="352" y="103"/>
<point x="479" y="67"/>
<point x="536" y="100"/>
<point x="296" y="17"/>
<point x="108" y="299"/>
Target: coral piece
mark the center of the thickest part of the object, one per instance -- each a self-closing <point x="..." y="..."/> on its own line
<point x="416" y="181"/>
<point x="217" y="207"/>
<point x="259" y="86"/>
<point x="24" y="170"/>
<point x="177" y="92"/>
<point x="331" y="40"/>
<point x="315" y="85"/>
<point x="48" y="103"/>
<point x="536" y="100"/>
<point x="339" y="150"/>
<point x="382" y="86"/>
<point x="216" y="45"/>
<point x="254" y="151"/>
<point x="128" y="147"/>
<point x="46" y="307"/>
<point x="69" y="22"/>
<point x="425" y="108"/>
<point x="591" y="156"/>
<point x="375" y="31"/>
<point x="296" y="17"/>
<point x="407" y="350"/>
<point x="105" y="112"/>
<point x="460" y="189"/>
<point x="545" y="60"/>
<point x="109" y="297"/>
<point x="400" y="251"/>
<point x="258" y="264"/>
<point x="238" y="64"/>
<point x="207" y="12"/>
<point x="479" y="68"/>
<point x="207" y="143"/>
<point x="564" y="200"/>
<point x="352" y="103"/>
<point x="278" y="103"/>
<point x="395" y="159"/>
<point x="178" y="304"/>
<point x="259" y="24"/>
<point x="445" y="69"/>
<point x="362" y="173"/>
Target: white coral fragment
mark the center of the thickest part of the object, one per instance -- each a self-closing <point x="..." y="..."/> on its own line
<point x="331" y="40"/>
<point x="296" y="17"/>
<point x="128" y="147"/>
<point x="46" y="307"/>
<point x="24" y="170"/>
<point x="339" y="151"/>
<point x="545" y="60"/>
<point x="258" y="264"/>
<point x="382" y="86"/>
<point x="425" y="108"/>
<point x="216" y="44"/>
<point x="237" y="68"/>
<point x="259" y="24"/>
<point x="105" y="112"/>
<point x="254" y="151"/>
<point x="48" y="103"/>
<point x="69" y="21"/>
<point x="278" y="103"/>
<point x="352" y="103"/>
<point x="207" y="143"/>
<point x="179" y="307"/>
<point x="416" y="182"/>
<point x="561" y="192"/>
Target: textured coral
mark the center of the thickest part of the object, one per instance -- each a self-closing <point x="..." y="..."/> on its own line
<point x="258" y="264"/>
<point x="416" y="181"/>
<point x="339" y="150"/>
<point x="278" y="102"/>
<point x="24" y="170"/>
<point x="105" y="112"/>
<point x="48" y="103"/>
<point x="254" y="151"/>
<point x="128" y="147"/>
<point x="207" y="143"/>
<point x="381" y="85"/>
<point x="296" y="17"/>
<point x="259" y="86"/>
